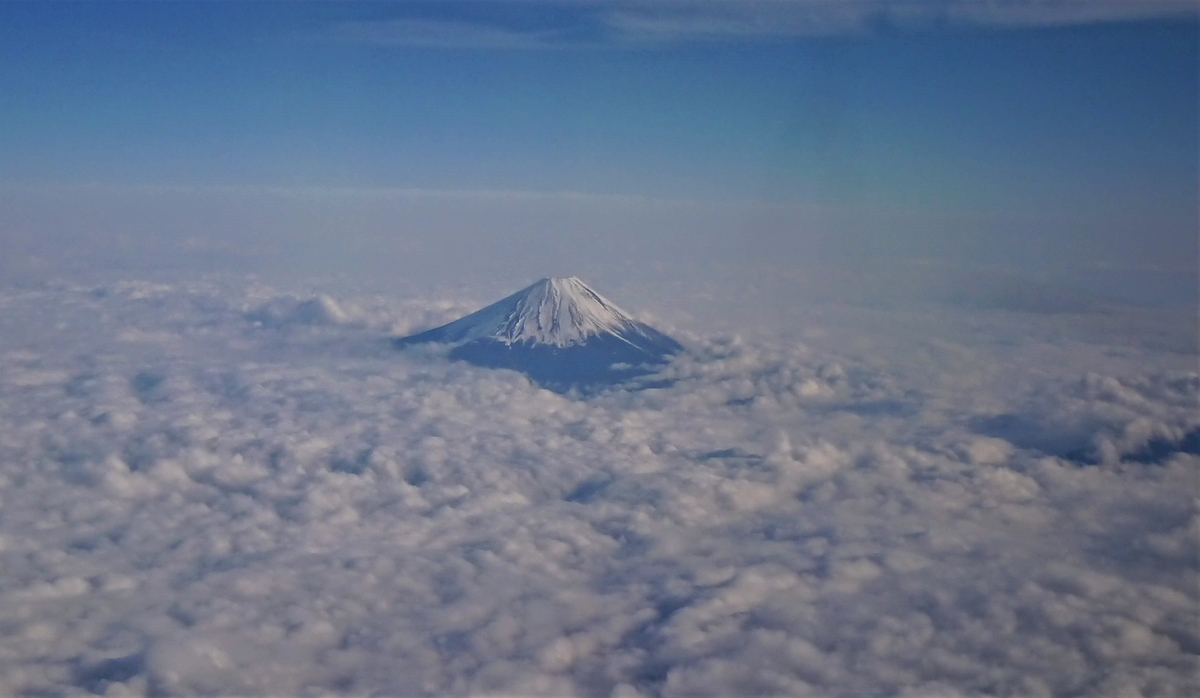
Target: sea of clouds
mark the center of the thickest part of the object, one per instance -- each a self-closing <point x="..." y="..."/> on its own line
<point x="217" y="487"/>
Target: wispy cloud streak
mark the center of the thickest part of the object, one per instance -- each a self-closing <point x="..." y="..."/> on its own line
<point x="631" y="24"/>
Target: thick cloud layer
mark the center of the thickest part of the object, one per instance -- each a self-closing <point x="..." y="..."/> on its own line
<point x="218" y="488"/>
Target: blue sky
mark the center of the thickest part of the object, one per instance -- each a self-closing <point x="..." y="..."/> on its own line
<point x="1070" y="121"/>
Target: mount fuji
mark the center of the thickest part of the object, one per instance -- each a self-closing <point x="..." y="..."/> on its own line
<point x="560" y="333"/>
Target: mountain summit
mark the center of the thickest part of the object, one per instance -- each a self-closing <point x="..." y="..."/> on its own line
<point x="560" y="333"/>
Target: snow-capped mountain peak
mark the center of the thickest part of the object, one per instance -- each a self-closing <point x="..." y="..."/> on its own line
<point x="560" y="333"/>
<point x="559" y="312"/>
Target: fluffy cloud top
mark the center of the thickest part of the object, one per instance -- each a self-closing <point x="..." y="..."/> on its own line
<point x="218" y="488"/>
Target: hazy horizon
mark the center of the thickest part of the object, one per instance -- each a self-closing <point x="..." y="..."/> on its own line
<point x="1055" y="142"/>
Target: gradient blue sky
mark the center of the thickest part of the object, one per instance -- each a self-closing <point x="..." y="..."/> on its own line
<point x="1047" y="120"/>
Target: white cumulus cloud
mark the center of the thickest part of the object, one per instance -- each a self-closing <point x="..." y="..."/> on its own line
<point x="215" y="487"/>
